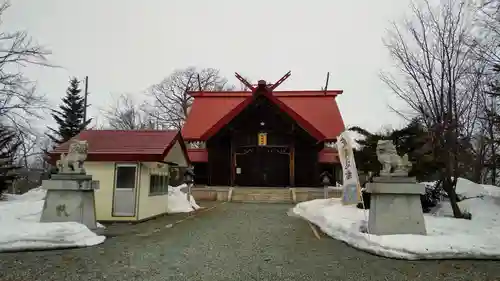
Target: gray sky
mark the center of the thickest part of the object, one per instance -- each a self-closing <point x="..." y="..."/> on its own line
<point x="126" y="46"/>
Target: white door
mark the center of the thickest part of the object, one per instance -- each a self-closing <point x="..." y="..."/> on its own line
<point x="125" y="188"/>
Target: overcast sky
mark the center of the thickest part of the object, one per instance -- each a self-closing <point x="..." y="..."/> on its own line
<point x="126" y="46"/>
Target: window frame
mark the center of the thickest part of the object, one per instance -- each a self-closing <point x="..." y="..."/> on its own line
<point x="158" y="182"/>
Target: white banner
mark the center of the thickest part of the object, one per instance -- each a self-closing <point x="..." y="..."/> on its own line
<point x="351" y="191"/>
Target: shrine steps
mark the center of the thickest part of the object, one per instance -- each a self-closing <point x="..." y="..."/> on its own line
<point x="261" y="194"/>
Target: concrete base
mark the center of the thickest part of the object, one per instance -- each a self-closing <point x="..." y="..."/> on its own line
<point x="395" y="206"/>
<point x="69" y="201"/>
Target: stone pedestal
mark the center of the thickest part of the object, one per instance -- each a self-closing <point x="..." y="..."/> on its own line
<point x="395" y="206"/>
<point x="70" y="198"/>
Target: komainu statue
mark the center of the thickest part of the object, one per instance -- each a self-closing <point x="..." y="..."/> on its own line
<point x="73" y="161"/>
<point x="392" y="163"/>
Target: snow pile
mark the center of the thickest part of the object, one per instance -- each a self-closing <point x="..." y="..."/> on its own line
<point x="177" y="200"/>
<point x="21" y="229"/>
<point x="34" y="194"/>
<point x="468" y="189"/>
<point x="447" y="238"/>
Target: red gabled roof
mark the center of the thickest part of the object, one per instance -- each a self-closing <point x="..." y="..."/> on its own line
<point x="198" y="155"/>
<point x="328" y="155"/>
<point x="207" y="111"/>
<point x="126" y="145"/>
<point x="316" y="111"/>
<point x="322" y="112"/>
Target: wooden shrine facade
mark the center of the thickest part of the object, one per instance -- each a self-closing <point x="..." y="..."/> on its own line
<point x="263" y="137"/>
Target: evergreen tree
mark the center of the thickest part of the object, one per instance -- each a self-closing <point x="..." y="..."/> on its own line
<point x="8" y="146"/>
<point x="410" y="140"/>
<point x="70" y="115"/>
<point x="414" y="140"/>
<point x="365" y="156"/>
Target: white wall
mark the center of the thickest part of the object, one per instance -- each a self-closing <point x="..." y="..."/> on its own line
<point x="146" y="205"/>
<point x="154" y="205"/>
<point x="176" y="155"/>
<point x="104" y="172"/>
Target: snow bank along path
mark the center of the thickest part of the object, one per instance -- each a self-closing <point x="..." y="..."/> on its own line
<point x="448" y="238"/>
<point x="177" y="201"/>
<point x="21" y="229"/>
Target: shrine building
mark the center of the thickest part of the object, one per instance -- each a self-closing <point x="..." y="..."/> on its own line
<point x="263" y="137"/>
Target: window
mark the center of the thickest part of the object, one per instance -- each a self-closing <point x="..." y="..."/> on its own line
<point x="158" y="184"/>
<point x="125" y="177"/>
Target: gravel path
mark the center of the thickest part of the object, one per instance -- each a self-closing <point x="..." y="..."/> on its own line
<point x="231" y="242"/>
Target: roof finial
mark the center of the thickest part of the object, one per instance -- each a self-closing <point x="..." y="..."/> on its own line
<point x="327" y="80"/>
<point x="245" y="82"/>
<point x="282" y="79"/>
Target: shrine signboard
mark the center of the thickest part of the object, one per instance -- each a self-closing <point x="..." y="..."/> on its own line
<point x="262" y="139"/>
<point x="351" y="189"/>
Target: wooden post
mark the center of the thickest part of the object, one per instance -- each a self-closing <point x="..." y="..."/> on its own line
<point x="233" y="168"/>
<point x="334" y="175"/>
<point x="85" y="97"/>
<point x="292" y="164"/>
<point x="233" y="162"/>
<point x="209" y="166"/>
<point x="292" y="155"/>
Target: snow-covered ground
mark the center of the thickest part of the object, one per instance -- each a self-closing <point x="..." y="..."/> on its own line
<point x="21" y="229"/>
<point x="447" y="238"/>
<point x="177" y="200"/>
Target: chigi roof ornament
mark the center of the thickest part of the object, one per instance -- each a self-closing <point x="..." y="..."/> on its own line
<point x="262" y="83"/>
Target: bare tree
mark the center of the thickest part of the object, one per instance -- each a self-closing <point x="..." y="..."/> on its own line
<point x="439" y="78"/>
<point x="126" y="114"/>
<point x="18" y="98"/>
<point x="19" y="101"/>
<point x="171" y="98"/>
<point x="28" y="149"/>
<point x="486" y="138"/>
<point x="40" y="159"/>
<point x="488" y="21"/>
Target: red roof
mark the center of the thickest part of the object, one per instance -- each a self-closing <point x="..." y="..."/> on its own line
<point x="198" y="155"/>
<point x="316" y="111"/>
<point x="126" y="145"/>
<point x="328" y="155"/>
<point x="207" y="111"/>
